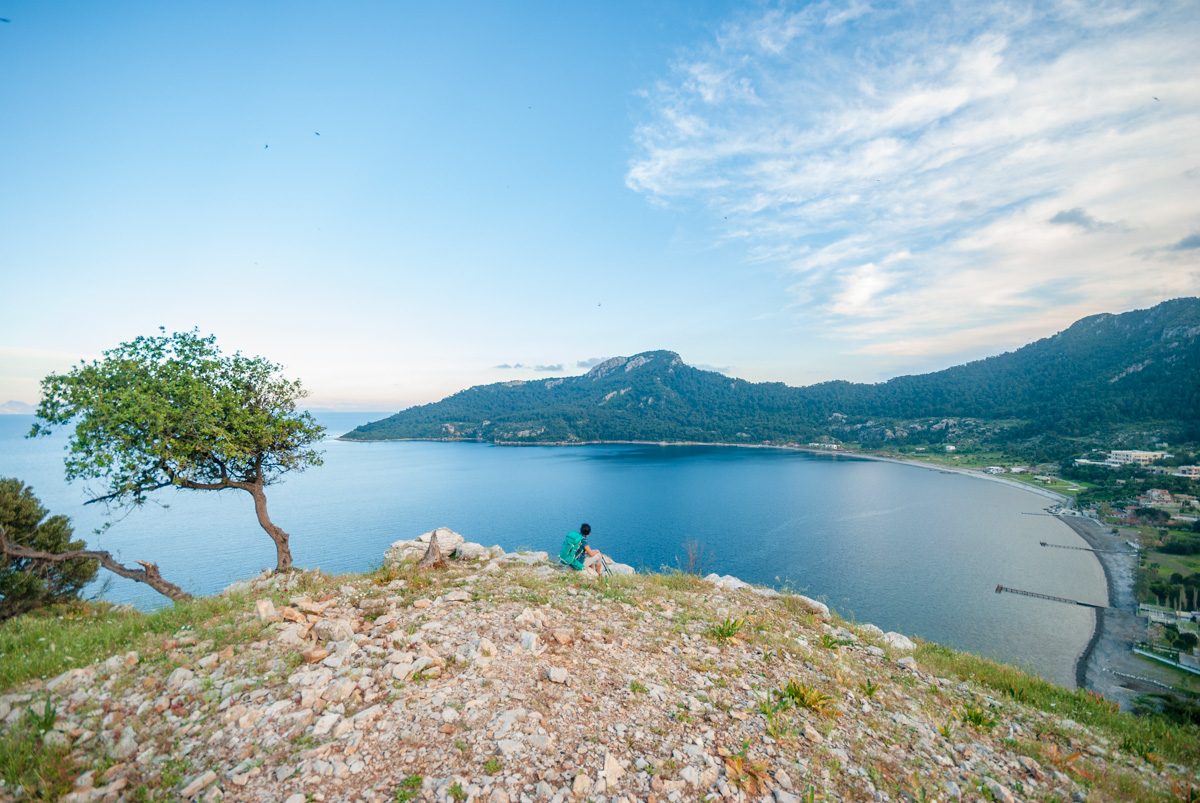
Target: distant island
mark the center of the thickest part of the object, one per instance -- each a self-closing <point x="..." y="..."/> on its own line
<point x="1132" y="378"/>
<point x="17" y="408"/>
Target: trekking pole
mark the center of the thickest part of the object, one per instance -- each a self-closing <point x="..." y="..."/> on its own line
<point x="604" y="562"/>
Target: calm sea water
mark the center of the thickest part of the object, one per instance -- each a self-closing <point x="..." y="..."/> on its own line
<point x="906" y="548"/>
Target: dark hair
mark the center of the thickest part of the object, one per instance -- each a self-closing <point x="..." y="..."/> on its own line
<point x="585" y="529"/>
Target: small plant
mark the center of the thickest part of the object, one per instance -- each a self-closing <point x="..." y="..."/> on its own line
<point x="43" y="722"/>
<point x="463" y="747"/>
<point x="977" y="718"/>
<point x="1139" y="748"/>
<point x="727" y="629"/>
<point x="805" y="696"/>
<point x="831" y="642"/>
<point x="456" y="791"/>
<point x="869" y="688"/>
<point x="408" y="790"/>
<point x="947" y="730"/>
<point x="637" y="688"/>
<point x="493" y="766"/>
<point x="748" y="776"/>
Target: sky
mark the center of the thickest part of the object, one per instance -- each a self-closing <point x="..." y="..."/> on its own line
<point x="395" y="201"/>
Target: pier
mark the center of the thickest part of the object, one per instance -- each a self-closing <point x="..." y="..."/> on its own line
<point x="1001" y="589"/>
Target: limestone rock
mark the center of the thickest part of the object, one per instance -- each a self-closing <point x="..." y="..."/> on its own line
<point x="448" y="542"/>
<point x="266" y="611"/>
<point x="333" y="630"/>
<point x="557" y="674"/>
<point x="813" y="606"/>
<point x="469" y="551"/>
<point x="899" y="641"/>
<point x="198" y="785"/>
<point x="612" y="769"/>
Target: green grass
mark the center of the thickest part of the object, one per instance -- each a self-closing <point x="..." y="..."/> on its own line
<point x="46" y="773"/>
<point x="1166" y="739"/>
<point x="49" y="642"/>
<point x="1169" y="564"/>
<point x="493" y="766"/>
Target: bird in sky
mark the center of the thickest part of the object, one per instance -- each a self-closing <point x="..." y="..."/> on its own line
<point x="1151" y="96"/>
<point x="4" y="20"/>
<point x="318" y="133"/>
<point x="266" y="146"/>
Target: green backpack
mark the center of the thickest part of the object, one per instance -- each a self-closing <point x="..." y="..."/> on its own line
<point x="572" y="551"/>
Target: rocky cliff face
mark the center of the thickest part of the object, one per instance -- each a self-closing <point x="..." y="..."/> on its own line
<point x="508" y="680"/>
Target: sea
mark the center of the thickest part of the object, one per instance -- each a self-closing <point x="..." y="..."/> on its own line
<point x="904" y="547"/>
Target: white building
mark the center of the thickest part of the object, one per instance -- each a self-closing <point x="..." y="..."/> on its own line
<point x="1127" y="457"/>
<point x="1191" y="472"/>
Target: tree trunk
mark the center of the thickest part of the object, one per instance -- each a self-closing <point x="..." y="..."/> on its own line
<point x="148" y="575"/>
<point x="433" y="555"/>
<point x="283" y="555"/>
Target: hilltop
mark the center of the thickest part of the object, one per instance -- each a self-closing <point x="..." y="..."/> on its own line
<point x="503" y="678"/>
<point x="1106" y="372"/>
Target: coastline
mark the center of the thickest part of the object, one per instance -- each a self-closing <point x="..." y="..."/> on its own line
<point x="1107" y="665"/>
<point x="1111" y="634"/>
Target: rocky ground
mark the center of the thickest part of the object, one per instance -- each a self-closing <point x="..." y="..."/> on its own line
<point x="502" y="678"/>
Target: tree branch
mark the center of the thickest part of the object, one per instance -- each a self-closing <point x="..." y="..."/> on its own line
<point x="148" y="575"/>
<point x="122" y="492"/>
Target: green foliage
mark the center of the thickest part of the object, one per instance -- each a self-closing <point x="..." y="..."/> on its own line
<point x="727" y="629"/>
<point x="869" y="688"/>
<point x="409" y="789"/>
<point x="977" y="718"/>
<point x="1049" y="394"/>
<point x="637" y="688"/>
<point x="27" y="583"/>
<point x="804" y="696"/>
<point x="831" y="642"/>
<point x="457" y="792"/>
<point x="493" y="765"/>
<point x="172" y="410"/>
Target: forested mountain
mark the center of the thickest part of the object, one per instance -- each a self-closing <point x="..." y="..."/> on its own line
<point x="1104" y="374"/>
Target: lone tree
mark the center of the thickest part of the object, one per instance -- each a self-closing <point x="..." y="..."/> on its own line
<point x="172" y="410"/>
<point x="28" y="582"/>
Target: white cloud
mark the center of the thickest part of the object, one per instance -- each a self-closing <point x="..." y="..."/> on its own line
<point x="935" y="175"/>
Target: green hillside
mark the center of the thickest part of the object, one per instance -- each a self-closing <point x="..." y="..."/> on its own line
<point x="1104" y="374"/>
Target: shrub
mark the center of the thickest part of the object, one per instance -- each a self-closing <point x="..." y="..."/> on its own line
<point x="28" y="583"/>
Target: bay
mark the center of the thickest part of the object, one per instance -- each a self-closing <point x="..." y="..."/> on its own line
<point x="903" y="547"/>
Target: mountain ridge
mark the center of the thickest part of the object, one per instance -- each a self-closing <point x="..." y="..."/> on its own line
<point x="1104" y="373"/>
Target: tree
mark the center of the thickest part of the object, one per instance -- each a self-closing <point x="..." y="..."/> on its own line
<point x="27" y="583"/>
<point x="172" y="410"/>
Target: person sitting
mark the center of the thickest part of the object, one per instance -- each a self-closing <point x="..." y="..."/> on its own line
<point x="576" y="553"/>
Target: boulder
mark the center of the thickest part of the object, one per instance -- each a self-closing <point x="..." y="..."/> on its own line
<point x="728" y="581"/>
<point x="898" y="641"/>
<point x="333" y="630"/>
<point x="813" y="606"/>
<point x="400" y="551"/>
<point x="469" y="551"/>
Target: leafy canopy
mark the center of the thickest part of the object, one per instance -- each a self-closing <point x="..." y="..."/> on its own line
<point x="26" y="583"/>
<point x="173" y="410"/>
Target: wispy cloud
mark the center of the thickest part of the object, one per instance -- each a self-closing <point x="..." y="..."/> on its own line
<point x="1189" y="243"/>
<point x="590" y="362"/>
<point x="935" y="175"/>
<point x="1079" y="217"/>
<point x="521" y="366"/>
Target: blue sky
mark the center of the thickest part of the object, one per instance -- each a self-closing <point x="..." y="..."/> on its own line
<point x="790" y="192"/>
